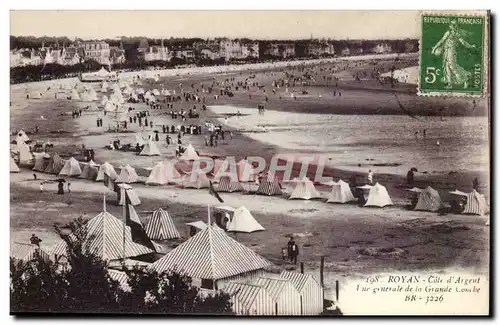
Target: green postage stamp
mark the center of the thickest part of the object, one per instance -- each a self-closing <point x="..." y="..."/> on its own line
<point x="453" y="53"/>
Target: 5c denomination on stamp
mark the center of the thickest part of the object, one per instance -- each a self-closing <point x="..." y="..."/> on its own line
<point x="452" y="55"/>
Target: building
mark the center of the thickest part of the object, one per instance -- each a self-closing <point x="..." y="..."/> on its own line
<point x="281" y="50"/>
<point x="382" y="48"/>
<point x="210" y="53"/>
<point x="155" y="53"/>
<point x="310" y="290"/>
<point x="96" y="50"/>
<point x="72" y="55"/>
<point x="116" y="55"/>
<point x="230" y="49"/>
<point x="212" y="259"/>
<point x="319" y="49"/>
<point x="184" y="53"/>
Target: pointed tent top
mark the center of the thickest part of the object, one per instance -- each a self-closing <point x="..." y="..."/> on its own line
<point x="211" y="254"/>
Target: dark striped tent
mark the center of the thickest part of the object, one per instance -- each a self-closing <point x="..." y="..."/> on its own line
<point x="161" y="226"/>
<point x="42" y="160"/>
<point x="228" y="185"/>
<point x="56" y="163"/>
<point x="429" y="200"/>
<point x="269" y="186"/>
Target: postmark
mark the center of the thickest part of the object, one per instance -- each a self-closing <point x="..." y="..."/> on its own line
<point x="453" y="53"/>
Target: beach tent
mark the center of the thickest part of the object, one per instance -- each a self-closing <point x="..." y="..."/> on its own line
<point x="104" y="100"/>
<point x="27" y="252"/>
<point x="74" y="95"/>
<point x="132" y="195"/>
<point x="103" y="73"/>
<point x="21" y="137"/>
<point x="55" y="164"/>
<point x="197" y="179"/>
<point x="92" y="94"/>
<point x="429" y="200"/>
<point x="71" y="168"/>
<point x="163" y="173"/>
<point x="378" y="197"/>
<point x="90" y="171"/>
<point x="156" y="92"/>
<point x="189" y="154"/>
<point x="304" y="190"/>
<point x="35" y="95"/>
<point x="139" y="139"/>
<point x="245" y="171"/>
<point x="243" y="221"/>
<point x="25" y="155"/>
<point x="226" y="184"/>
<point x="127" y="175"/>
<point x="341" y="193"/>
<point x="476" y="204"/>
<point x="269" y="186"/>
<point x="150" y="149"/>
<point x="106" y="169"/>
<point x="13" y="166"/>
<point x="41" y="161"/>
<point x="365" y="189"/>
<point x="161" y="227"/>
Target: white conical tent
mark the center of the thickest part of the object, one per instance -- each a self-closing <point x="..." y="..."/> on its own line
<point x="74" y="95"/>
<point x="164" y="173"/>
<point x="92" y="94"/>
<point x="21" y="137"/>
<point x="132" y="195"/>
<point x="104" y="100"/>
<point x="108" y="170"/>
<point x="13" y="166"/>
<point x="378" y="197"/>
<point x="127" y="175"/>
<point x="429" y="200"/>
<point x="243" y="221"/>
<point x="156" y="92"/>
<point x="139" y="139"/>
<point x="25" y="155"/>
<point x="197" y="179"/>
<point x="150" y="149"/>
<point x="189" y="154"/>
<point x="341" y="193"/>
<point x="304" y="190"/>
<point x="71" y="168"/>
<point x="161" y="227"/>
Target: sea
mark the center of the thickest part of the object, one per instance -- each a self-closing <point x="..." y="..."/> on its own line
<point x="385" y="144"/>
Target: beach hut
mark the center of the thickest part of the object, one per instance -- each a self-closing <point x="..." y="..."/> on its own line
<point x="164" y="173"/>
<point x="189" y="154"/>
<point x="269" y="185"/>
<point x="196" y="179"/>
<point x="304" y="190"/>
<point x="310" y="290"/>
<point x="284" y="295"/>
<point x="127" y="175"/>
<point x="246" y="172"/>
<point x="55" y="164"/>
<point x="13" y="166"/>
<point x="161" y="227"/>
<point x="429" y="200"/>
<point x="243" y="221"/>
<point x="228" y="185"/>
<point x="476" y="204"/>
<point x="213" y="259"/>
<point x="71" y="168"/>
<point x="103" y="237"/>
<point x="42" y="160"/>
<point x="27" y="252"/>
<point x="250" y="300"/>
<point x="106" y="169"/>
<point x="378" y="197"/>
<point x="150" y="149"/>
<point x="132" y="195"/>
<point x="341" y="193"/>
<point x="89" y="171"/>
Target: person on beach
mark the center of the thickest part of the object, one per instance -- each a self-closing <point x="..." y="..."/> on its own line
<point x="370" y="177"/>
<point x="34" y="240"/>
<point x="60" y="188"/>
<point x="69" y="189"/>
<point x="475" y="184"/>
<point x="41" y="187"/>
<point x="410" y="176"/>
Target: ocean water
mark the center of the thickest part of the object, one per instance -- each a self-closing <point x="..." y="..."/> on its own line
<point x="349" y="140"/>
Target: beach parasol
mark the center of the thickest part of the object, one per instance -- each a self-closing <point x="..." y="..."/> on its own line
<point x="457" y="192"/>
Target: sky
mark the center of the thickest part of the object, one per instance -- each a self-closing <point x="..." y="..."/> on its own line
<point x="209" y="24"/>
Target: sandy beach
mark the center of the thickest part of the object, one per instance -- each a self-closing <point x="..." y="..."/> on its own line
<point x="289" y="125"/>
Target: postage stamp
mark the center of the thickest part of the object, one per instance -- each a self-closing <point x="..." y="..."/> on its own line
<point x="452" y="55"/>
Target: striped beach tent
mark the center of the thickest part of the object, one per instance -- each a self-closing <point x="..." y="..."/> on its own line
<point x="56" y="163"/>
<point x="42" y="160"/>
<point x="27" y="252"/>
<point x="120" y="277"/>
<point x="476" y="204"/>
<point x="250" y="299"/>
<point x="71" y="168"/>
<point x="127" y="175"/>
<point x="378" y="197"/>
<point x="283" y="294"/>
<point x="103" y="237"/>
<point x="226" y="184"/>
<point x="106" y="169"/>
<point x="161" y="227"/>
<point x="269" y="185"/>
<point x="429" y="200"/>
<point x="13" y="166"/>
<point x="341" y="193"/>
<point x="310" y="290"/>
<point x="211" y="254"/>
<point x="90" y="171"/>
<point x="304" y="190"/>
<point x="197" y="179"/>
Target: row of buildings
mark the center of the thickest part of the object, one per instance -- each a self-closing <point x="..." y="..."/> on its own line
<point x="225" y="49"/>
